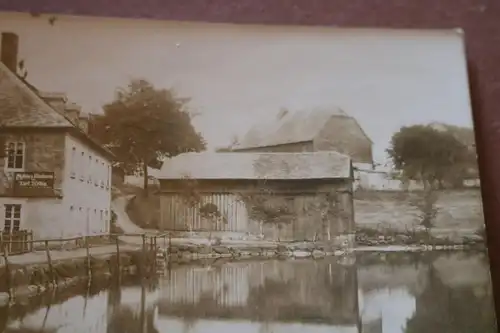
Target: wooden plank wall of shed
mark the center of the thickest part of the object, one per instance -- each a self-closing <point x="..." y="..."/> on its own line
<point x="177" y="215"/>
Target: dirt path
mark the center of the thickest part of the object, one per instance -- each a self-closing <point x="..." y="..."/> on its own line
<point x="119" y="206"/>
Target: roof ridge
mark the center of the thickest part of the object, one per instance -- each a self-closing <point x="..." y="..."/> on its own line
<point x="32" y="91"/>
<point x="273" y="132"/>
<point x="29" y="89"/>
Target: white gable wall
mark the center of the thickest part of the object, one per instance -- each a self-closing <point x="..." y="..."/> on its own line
<point x="86" y="190"/>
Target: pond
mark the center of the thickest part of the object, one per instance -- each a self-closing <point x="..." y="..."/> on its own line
<point x="369" y="293"/>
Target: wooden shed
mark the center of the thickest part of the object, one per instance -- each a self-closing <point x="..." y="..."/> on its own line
<point x="280" y="196"/>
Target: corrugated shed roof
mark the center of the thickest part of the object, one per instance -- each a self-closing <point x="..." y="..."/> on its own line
<point x="22" y="107"/>
<point x="289" y="127"/>
<point x="272" y="166"/>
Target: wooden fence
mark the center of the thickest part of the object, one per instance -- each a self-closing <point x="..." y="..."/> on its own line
<point x="149" y="243"/>
<point x="17" y="242"/>
<point x="22" y="242"/>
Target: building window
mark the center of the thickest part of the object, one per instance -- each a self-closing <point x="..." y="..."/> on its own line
<point x="82" y="171"/>
<point x="12" y="218"/>
<point x="97" y="175"/>
<point x="72" y="172"/>
<point x="108" y="177"/>
<point x="89" y="179"/>
<point x="104" y="222"/>
<point x="103" y="174"/>
<point x="15" y="156"/>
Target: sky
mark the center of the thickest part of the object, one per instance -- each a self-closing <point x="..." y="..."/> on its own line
<point x="395" y="307"/>
<point x="237" y="75"/>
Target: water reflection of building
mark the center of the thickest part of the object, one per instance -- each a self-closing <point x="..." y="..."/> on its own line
<point x="108" y="311"/>
<point x="373" y="326"/>
<point x="286" y="296"/>
<point x="300" y="292"/>
<point x="77" y="314"/>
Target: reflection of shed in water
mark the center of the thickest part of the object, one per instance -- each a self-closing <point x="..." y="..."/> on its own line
<point x="373" y="326"/>
<point x="322" y="293"/>
<point x="309" y="195"/>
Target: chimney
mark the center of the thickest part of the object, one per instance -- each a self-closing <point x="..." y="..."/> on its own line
<point x="83" y="123"/>
<point x="56" y="100"/>
<point x="9" y="50"/>
<point x="72" y="111"/>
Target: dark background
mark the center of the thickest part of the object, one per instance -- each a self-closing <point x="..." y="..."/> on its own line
<point x="480" y="20"/>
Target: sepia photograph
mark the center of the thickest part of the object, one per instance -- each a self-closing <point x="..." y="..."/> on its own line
<point x="167" y="176"/>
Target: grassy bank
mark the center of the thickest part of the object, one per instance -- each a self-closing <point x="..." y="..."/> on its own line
<point x="144" y="211"/>
<point x="457" y="210"/>
<point x="391" y="236"/>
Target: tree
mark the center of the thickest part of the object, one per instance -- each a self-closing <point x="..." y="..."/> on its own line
<point x="426" y="154"/>
<point x="144" y="124"/>
<point x="265" y="206"/>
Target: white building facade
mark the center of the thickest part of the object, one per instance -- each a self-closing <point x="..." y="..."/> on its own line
<point x="86" y="188"/>
<point x="54" y="179"/>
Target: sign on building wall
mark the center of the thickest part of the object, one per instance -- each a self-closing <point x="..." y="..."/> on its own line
<point x="33" y="183"/>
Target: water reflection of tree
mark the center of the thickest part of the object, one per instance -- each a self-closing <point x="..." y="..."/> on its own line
<point x="444" y="309"/>
<point x="4" y="317"/>
<point x="125" y="320"/>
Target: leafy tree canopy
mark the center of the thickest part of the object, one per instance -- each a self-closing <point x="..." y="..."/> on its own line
<point x="426" y="154"/>
<point x="143" y="124"/>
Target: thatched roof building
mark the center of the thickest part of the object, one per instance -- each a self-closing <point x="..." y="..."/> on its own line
<point x="317" y="129"/>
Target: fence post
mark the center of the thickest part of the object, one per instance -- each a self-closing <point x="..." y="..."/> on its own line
<point x="118" y="268"/>
<point x="87" y="250"/>
<point x="10" y="242"/>
<point x="169" y="243"/>
<point x="144" y="254"/>
<point x="143" y="243"/>
<point x="31" y="241"/>
<point x="154" y="253"/>
<point x="49" y="260"/>
<point x="25" y="241"/>
<point x="7" y="270"/>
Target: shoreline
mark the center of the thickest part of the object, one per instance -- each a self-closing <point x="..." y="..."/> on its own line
<point x="36" y="279"/>
<point x="25" y="281"/>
